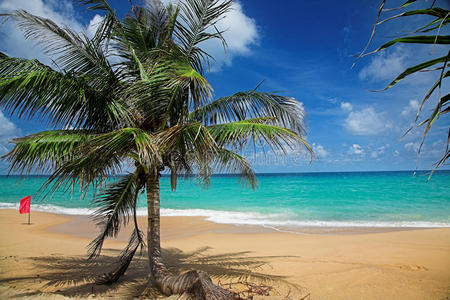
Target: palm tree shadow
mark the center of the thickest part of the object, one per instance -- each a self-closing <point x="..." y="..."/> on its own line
<point x="76" y="276"/>
<point x="238" y="265"/>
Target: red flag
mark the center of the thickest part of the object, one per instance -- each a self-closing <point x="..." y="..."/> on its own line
<point x="24" y="207"/>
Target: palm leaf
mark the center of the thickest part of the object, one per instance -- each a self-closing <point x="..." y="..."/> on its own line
<point x="187" y="137"/>
<point x="434" y="12"/>
<point x="28" y="87"/>
<point x="444" y="157"/>
<point x="101" y="158"/>
<point x="430" y="91"/>
<point x="45" y="151"/>
<point x="71" y="51"/>
<point x="405" y="4"/>
<point x="287" y="112"/>
<point x="226" y="160"/>
<point x="418" y="39"/>
<point x="415" y="69"/>
<point x="197" y="25"/>
<point x="240" y="134"/>
<point x="115" y="206"/>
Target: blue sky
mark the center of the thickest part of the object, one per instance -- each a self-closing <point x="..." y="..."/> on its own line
<point x="302" y="49"/>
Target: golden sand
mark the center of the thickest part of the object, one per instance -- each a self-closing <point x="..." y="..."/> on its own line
<point x="46" y="260"/>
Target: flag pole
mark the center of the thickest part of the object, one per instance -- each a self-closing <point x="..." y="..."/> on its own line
<point x="29" y="214"/>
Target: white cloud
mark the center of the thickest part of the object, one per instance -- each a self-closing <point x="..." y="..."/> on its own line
<point x="93" y="25"/>
<point x="379" y="151"/>
<point x="61" y="12"/>
<point x="346" y="106"/>
<point x="356" y="149"/>
<point x="8" y="131"/>
<point x="319" y="151"/>
<point x="385" y="65"/>
<point x="412" y="146"/>
<point x="241" y="31"/>
<point x="240" y="34"/>
<point x="430" y="150"/>
<point x="366" y="122"/>
<point x="411" y="108"/>
<point x="333" y="100"/>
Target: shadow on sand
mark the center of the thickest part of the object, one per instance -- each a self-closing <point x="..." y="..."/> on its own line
<point x="75" y="276"/>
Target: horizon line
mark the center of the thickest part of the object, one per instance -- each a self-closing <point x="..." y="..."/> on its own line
<point x="258" y="173"/>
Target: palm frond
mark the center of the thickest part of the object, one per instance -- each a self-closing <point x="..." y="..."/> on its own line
<point x="229" y="161"/>
<point x="71" y="51"/>
<point x="45" y="151"/>
<point x="148" y="99"/>
<point x="430" y="91"/>
<point x="101" y="158"/>
<point x="417" y="39"/>
<point x="405" y="4"/>
<point x="125" y="258"/>
<point x="186" y="137"/>
<point x="198" y="88"/>
<point x="240" y="134"/>
<point x="115" y="206"/>
<point x="148" y="31"/>
<point x="416" y="68"/>
<point x="197" y="25"/>
<point x="444" y="157"/>
<point x="28" y="87"/>
<point x="93" y="5"/>
<point x="104" y="32"/>
<point x="286" y="112"/>
<point x="439" y="19"/>
<point x="436" y="12"/>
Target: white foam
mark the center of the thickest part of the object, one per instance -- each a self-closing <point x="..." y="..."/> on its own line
<point x="275" y="221"/>
<point x="50" y="208"/>
<point x="282" y="220"/>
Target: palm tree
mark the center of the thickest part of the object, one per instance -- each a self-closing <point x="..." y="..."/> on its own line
<point x="135" y="93"/>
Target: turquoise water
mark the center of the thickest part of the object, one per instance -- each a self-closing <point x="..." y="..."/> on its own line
<point x="308" y="199"/>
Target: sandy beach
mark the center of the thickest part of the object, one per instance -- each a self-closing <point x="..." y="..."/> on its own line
<point x="47" y="260"/>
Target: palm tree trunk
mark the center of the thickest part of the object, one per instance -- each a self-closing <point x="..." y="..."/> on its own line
<point x="157" y="267"/>
<point x="196" y="283"/>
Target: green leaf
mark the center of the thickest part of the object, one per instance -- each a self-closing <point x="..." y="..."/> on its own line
<point x="430" y="91"/>
<point x="138" y="62"/>
<point x="424" y="39"/>
<point x="80" y="100"/>
<point x="407" y="3"/>
<point x="441" y="23"/>
<point x="45" y="151"/>
<point x="196" y="25"/>
<point x="415" y="69"/>
<point x="434" y="12"/>
<point x="285" y="111"/>
<point x="115" y="206"/>
<point x="239" y="134"/>
<point x="226" y="160"/>
<point x="102" y="158"/>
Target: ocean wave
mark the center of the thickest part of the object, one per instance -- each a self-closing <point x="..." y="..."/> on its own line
<point x="275" y="221"/>
<point x="50" y="208"/>
<point x="282" y="220"/>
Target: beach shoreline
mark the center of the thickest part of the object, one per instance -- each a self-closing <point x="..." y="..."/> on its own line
<point x="412" y="263"/>
<point x="84" y="226"/>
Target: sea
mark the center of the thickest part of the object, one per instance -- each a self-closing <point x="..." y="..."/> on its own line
<point x="339" y="199"/>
